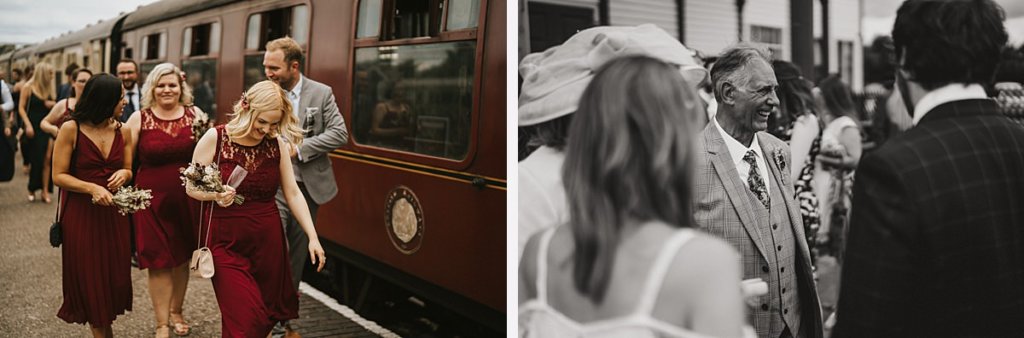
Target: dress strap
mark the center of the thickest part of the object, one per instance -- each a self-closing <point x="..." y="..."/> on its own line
<point x="659" y="269"/>
<point x="542" y="265"/>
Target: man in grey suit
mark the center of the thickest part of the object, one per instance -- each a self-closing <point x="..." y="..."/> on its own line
<point x="744" y="196"/>
<point x="313" y="104"/>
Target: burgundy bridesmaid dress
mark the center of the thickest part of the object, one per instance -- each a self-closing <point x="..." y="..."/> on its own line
<point x="253" y="278"/>
<point x="96" y="251"/>
<point x="164" y="232"/>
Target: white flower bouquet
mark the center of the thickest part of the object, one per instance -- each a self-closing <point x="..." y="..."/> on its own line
<point x="206" y="178"/>
<point x="200" y="123"/>
<point x="130" y="199"/>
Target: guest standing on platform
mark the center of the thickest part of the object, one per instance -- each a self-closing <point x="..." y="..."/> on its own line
<point x="128" y="71"/>
<point x="312" y="105"/>
<point x="61" y="111"/>
<point x="253" y="279"/>
<point x="744" y="195"/>
<point x="36" y="101"/>
<point x="936" y="241"/>
<point x="165" y="232"/>
<point x="92" y="158"/>
<point x="628" y="262"/>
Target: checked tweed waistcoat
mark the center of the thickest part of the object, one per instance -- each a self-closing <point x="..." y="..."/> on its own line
<point x="778" y="238"/>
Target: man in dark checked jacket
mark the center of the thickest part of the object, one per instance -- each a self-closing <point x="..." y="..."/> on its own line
<point x="936" y="241"/>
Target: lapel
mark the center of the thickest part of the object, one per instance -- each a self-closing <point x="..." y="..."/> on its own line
<point x="787" y="191"/>
<point x="736" y="190"/>
<point x="304" y="98"/>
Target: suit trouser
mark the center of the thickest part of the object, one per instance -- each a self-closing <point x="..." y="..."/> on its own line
<point x="298" y="242"/>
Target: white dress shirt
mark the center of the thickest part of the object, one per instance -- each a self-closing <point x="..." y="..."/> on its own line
<point x="948" y="93"/>
<point x="737" y="150"/>
<point x="294" y="95"/>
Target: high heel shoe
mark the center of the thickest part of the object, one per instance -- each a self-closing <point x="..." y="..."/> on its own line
<point x="31" y="198"/>
<point x="46" y="199"/>
<point x="163" y="331"/>
<point x="181" y="328"/>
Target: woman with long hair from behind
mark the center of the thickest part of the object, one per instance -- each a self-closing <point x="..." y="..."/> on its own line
<point x="34" y="104"/>
<point x="628" y="264"/>
<point x="92" y="157"/>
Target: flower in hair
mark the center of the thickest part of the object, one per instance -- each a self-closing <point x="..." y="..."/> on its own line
<point x="244" y="103"/>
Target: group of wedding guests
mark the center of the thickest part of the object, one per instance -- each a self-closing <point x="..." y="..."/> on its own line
<point x="639" y="216"/>
<point x="259" y="247"/>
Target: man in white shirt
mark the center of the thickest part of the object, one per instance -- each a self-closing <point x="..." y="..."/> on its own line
<point x="743" y="194"/>
<point x="128" y="71"/>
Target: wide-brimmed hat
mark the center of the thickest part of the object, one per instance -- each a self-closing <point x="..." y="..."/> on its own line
<point x="555" y="79"/>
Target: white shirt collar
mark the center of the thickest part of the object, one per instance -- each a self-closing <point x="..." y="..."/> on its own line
<point x="737" y="149"/>
<point x="294" y="96"/>
<point x="948" y="93"/>
<point x="297" y="90"/>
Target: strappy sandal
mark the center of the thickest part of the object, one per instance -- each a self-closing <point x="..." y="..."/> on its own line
<point x="181" y="328"/>
<point x="163" y="331"/>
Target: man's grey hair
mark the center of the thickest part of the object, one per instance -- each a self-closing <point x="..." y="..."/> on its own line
<point x="729" y="67"/>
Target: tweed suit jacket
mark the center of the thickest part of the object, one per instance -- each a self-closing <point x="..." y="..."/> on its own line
<point x="936" y="241"/>
<point x="325" y="131"/>
<point x="722" y="208"/>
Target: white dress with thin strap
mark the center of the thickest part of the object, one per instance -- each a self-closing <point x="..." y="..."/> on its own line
<point x="538" y="319"/>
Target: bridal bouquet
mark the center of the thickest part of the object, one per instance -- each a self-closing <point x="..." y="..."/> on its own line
<point x="200" y="123"/>
<point x="206" y="178"/>
<point x="130" y="199"/>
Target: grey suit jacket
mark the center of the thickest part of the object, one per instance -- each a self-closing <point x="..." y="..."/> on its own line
<point x="325" y="131"/>
<point x="722" y="208"/>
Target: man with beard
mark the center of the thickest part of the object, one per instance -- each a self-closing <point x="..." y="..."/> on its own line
<point x="314" y="107"/>
<point x="128" y="72"/>
<point x="744" y="195"/>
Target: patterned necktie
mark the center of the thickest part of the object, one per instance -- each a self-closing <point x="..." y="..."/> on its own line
<point x="754" y="180"/>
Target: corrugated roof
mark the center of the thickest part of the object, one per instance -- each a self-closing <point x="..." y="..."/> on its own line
<point x="99" y="30"/>
<point x="169" y="9"/>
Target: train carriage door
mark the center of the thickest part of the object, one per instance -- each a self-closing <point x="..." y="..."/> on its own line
<point x="200" y="51"/>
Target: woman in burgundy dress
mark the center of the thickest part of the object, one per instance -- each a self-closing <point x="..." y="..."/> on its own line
<point x="253" y="278"/>
<point x="92" y="158"/>
<point x="164" y="232"/>
<point x="61" y="111"/>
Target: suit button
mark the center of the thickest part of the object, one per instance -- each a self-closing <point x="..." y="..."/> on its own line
<point x="783" y="269"/>
<point x="783" y="290"/>
<point x="764" y="307"/>
<point x="780" y="248"/>
<point x="764" y="268"/>
<point x="785" y="311"/>
<point x="775" y="226"/>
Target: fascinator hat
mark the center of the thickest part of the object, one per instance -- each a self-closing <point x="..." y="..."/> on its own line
<point x="555" y="79"/>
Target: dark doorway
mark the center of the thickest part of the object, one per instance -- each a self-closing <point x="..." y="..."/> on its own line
<point x="550" y="25"/>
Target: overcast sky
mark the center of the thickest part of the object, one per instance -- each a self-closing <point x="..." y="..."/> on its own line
<point x="32" y="21"/>
<point x="879" y="16"/>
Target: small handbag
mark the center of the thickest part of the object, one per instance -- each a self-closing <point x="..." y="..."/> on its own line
<point x="56" y="228"/>
<point x="202" y="257"/>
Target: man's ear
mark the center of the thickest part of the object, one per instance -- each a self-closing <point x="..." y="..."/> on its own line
<point x="727" y="90"/>
<point x="294" y="65"/>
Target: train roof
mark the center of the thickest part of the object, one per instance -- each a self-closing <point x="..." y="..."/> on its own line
<point x="24" y="52"/>
<point x="169" y="9"/>
<point x="89" y="33"/>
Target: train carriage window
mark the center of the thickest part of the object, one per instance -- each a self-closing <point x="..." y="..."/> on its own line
<point x="415" y="98"/>
<point x="201" y="75"/>
<point x="266" y="26"/>
<point x="201" y="40"/>
<point x="463" y="14"/>
<point x="411" y="18"/>
<point x="154" y="46"/>
<point x="369" y="19"/>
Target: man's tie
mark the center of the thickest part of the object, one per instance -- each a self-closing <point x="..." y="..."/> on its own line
<point x="128" y="108"/>
<point x="754" y="180"/>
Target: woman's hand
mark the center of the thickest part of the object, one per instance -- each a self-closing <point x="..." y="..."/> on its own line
<point x="118" y="179"/>
<point x="29" y="132"/>
<point x="7" y="131"/>
<point x="316" y="253"/>
<point x="101" y="196"/>
<point x="224" y="199"/>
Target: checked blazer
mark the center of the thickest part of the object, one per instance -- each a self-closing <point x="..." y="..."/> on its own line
<point x="725" y="207"/>
<point x="936" y="240"/>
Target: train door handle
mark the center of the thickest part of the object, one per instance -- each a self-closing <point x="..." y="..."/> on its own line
<point x="479" y="182"/>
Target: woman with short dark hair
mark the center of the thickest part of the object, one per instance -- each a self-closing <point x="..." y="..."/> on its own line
<point x="92" y="158"/>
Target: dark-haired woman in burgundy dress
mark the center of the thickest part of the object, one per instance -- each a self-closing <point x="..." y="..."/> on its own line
<point x="92" y="158"/>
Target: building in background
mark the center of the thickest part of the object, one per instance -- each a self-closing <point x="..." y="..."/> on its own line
<point x="709" y="26"/>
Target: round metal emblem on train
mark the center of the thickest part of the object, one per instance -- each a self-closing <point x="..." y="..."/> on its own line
<point x="403" y="218"/>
